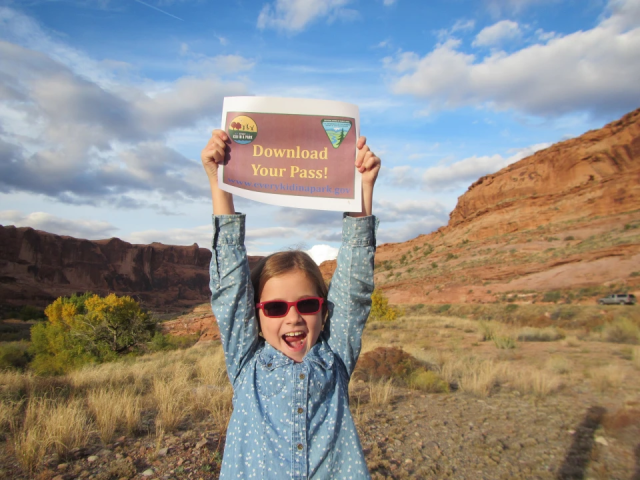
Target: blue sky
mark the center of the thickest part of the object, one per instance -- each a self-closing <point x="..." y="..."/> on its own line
<point x="106" y="104"/>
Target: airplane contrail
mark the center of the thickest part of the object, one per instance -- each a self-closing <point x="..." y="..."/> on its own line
<point x="161" y="11"/>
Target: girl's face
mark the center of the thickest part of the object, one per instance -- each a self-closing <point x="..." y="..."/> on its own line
<point x="290" y="287"/>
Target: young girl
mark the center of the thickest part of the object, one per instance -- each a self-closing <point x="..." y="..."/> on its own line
<point x="290" y="345"/>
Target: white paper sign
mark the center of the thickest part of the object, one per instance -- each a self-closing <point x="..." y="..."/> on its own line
<point x="292" y="152"/>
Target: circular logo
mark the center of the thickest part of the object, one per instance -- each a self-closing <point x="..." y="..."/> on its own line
<point x="243" y="130"/>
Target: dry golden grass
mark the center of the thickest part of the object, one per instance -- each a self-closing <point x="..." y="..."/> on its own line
<point x="67" y="426"/>
<point x="171" y="396"/>
<point x="607" y="377"/>
<point x="380" y="393"/>
<point x="558" y="364"/>
<point x="530" y="381"/>
<point x="480" y="380"/>
<point x="9" y="411"/>
<point x="114" y="408"/>
<point x="635" y="357"/>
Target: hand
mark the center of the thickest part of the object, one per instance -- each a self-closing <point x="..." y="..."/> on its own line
<point x="214" y="154"/>
<point x="367" y="163"/>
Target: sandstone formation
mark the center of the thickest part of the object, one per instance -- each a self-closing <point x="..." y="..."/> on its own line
<point x="595" y="174"/>
<point x="36" y="267"/>
<point x="567" y="217"/>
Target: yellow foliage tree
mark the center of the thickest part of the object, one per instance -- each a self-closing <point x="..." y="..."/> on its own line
<point x="380" y="309"/>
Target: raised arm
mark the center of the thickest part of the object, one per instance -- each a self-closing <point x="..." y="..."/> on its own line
<point x="231" y="290"/>
<point x="214" y="154"/>
<point x="352" y="283"/>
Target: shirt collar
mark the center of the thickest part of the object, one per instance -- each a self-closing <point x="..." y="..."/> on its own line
<point x="320" y="353"/>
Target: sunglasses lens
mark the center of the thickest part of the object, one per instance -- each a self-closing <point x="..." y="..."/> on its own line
<point x="275" y="309"/>
<point x="308" y="305"/>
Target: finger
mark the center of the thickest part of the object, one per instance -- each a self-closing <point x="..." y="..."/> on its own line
<point x="361" y="155"/>
<point x="371" y="162"/>
<point x="220" y="134"/>
<point x="362" y="141"/>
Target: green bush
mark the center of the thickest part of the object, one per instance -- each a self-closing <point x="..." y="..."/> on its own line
<point x="532" y="334"/>
<point x="511" y="307"/>
<point x="427" y="381"/>
<point x="504" y="342"/>
<point x="14" y="355"/>
<point x="29" y="312"/>
<point x="161" y="342"/>
<point x="487" y="331"/>
<point x="622" y="330"/>
<point x="552" y="297"/>
<point x="87" y="329"/>
<point x="443" y="308"/>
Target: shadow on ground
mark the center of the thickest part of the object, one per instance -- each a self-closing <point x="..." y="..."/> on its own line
<point x="577" y="459"/>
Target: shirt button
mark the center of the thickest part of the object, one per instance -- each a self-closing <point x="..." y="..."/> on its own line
<point x="302" y="376"/>
<point x="300" y="409"/>
<point x="300" y="447"/>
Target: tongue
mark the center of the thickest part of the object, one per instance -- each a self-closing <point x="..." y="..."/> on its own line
<point x="295" y="341"/>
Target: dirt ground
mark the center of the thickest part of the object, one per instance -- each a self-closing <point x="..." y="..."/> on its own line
<point x="581" y="420"/>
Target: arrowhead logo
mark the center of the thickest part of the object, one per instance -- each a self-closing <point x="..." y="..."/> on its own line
<point x="336" y="130"/>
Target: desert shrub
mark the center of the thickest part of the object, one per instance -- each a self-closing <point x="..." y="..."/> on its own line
<point x="512" y="307"/>
<point x="163" y="342"/>
<point x="384" y="363"/>
<point x="569" y="238"/>
<point x="635" y="274"/>
<point x="443" y="308"/>
<point x="380" y="309"/>
<point x="29" y="312"/>
<point x="14" y="355"/>
<point x="487" y="331"/>
<point x="607" y="377"/>
<point x="88" y="328"/>
<point x="427" y="381"/>
<point x="558" y="365"/>
<point x="552" y="297"/>
<point x="504" y="342"/>
<point x="622" y="330"/>
<point x="532" y="334"/>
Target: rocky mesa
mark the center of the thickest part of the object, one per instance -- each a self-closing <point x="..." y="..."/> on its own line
<point x="36" y="267"/>
<point x="567" y="217"/>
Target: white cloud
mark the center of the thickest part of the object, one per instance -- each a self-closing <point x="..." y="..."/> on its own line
<point x="461" y="25"/>
<point x="321" y="253"/>
<point x="388" y="3"/>
<point x="461" y="174"/>
<point x="76" y="132"/>
<point x="592" y="71"/>
<point x="402" y="176"/>
<point x="409" y="211"/>
<point x="497" y="33"/>
<point x="218" y="65"/>
<point x="174" y="236"/>
<point x="451" y="176"/>
<point x="294" y="15"/>
<point x="88" y="229"/>
<point x="499" y="7"/>
<point x="409" y="230"/>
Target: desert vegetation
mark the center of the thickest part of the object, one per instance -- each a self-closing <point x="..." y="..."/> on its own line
<point x="166" y="413"/>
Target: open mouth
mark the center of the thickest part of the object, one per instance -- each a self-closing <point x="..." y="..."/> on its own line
<point x="295" y="340"/>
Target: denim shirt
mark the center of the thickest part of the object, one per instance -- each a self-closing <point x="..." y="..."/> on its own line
<point x="292" y="420"/>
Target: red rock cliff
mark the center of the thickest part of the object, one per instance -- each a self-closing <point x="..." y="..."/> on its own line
<point x="37" y="267"/>
<point x="597" y="173"/>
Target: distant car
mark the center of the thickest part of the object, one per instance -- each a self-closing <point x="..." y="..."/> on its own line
<point x="618" y="299"/>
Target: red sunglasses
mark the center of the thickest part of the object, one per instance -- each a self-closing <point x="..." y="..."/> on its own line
<point x="280" y="308"/>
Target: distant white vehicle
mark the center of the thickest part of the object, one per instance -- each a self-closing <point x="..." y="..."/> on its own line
<point x="618" y="299"/>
